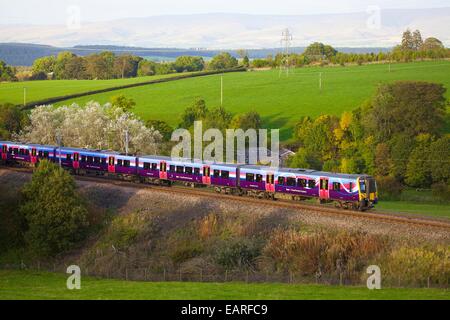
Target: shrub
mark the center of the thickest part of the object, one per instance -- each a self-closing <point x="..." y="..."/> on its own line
<point x="407" y="265"/>
<point x="389" y="188"/>
<point x="323" y="253"/>
<point x="441" y="191"/>
<point x="238" y="253"/>
<point x="56" y="217"/>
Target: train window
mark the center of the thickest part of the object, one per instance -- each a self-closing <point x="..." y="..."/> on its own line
<point x="10" y="150"/>
<point x="188" y="170"/>
<point x="154" y="166"/>
<point x="163" y="166"/>
<point x="250" y="177"/>
<point x="111" y="161"/>
<point x="336" y="186"/>
<point x="301" y="183"/>
<point x="96" y="159"/>
<point x="362" y="186"/>
<point x="146" y="166"/>
<point x="291" y="182"/>
<point x="76" y="157"/>
<point x="33" y="152"/>
<point x="126" y="163"/>
<point x="46" y="154"/>
<point x="180" y="169"/>
<point x="270" y="178"/>
<point x="206" y="171"/>
<point x="259" y="178"/>
<point x="225" y="174"/>
<point x="311" y="184"/>
<point x="68" y="157"/>
<point x="83" y="158"/>
<point x="197" y="171"/>
<point x="4" y="149"/>
<point x="120" y="162"/>
<point x="281" y="180"/>
<point x="350" y="186"/>
<point x="172" y="168"/>
<point x="216" y="173"/>
<point x="90" y="159"/>
<point x="103" y="161"/>
<point x="323" y="184"/>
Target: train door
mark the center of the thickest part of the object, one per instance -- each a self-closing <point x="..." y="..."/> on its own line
<point x="270" y="182"/>
<point x="324" y="193"/>
<point x="4" y="152"/>
<point x="76" y="160"/>
<point x="111" y="164"/>
<point x="163" y="170"/>
<point x="206" y="179"/>
<point x="34" y="158"/>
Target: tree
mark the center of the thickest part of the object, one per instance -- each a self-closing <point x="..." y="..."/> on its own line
<point x="122" y="102"/>
<point x="56" y="217"/>
<point x="62" y="60"/>
<point x="91" y="126"/>
<point x="439" y="163"/>
<point x="197" y="111"/>
<point x="418" y="172"/>
<point x="44" y="64"/>
<point x="162" y="127"/>
<point x="189" y="64"/>
<point x="146" y="68"/>
<point x="407" y="40"/>
<point x="7" y="73"/>
<point x="410" y="107"/>
<point x="382" y="159"/>
<point x="126" y="66"/>
<point x="218" y="118"/>
<point x="432" y="44"/>
<point x="223" y="61"/>
<point x="318" y="51"/>
<point x="12" y="120"/>
<point x="248" y="120"/>
<point x="417" y="40"/>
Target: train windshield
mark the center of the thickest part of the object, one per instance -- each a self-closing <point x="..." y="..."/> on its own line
<point x="362" y="186"/>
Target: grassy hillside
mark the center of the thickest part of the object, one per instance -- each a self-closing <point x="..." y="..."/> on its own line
<point x="34" y="285"/>
<point x="280" y="100"/>
<point x="12" y="92"/>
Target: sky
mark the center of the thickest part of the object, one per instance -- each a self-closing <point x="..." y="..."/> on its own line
<point x="50" y="12"/>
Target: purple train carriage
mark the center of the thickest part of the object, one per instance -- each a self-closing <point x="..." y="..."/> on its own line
<point x="348" y="190"/>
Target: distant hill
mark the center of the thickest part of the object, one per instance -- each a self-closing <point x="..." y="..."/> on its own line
<point x="218" y="31"/>
<point x="23" y="54"/>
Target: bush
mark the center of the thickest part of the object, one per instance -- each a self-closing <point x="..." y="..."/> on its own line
<point x="323" y="253"/>
<point x="441" y="191"/>
<point x="419" y="265"/>
<point x="389" y="188"/>
<point x="55" y="215"/>
<point x="238" y="253"/>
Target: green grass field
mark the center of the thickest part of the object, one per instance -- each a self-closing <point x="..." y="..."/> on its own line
<point x="34" y="285"/>
<point x="279" y="100"/>
<point x="12" y="92"/>
<point x="417" y="202"/>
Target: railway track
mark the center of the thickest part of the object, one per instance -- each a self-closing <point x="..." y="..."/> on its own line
<point x="417" y="221"/>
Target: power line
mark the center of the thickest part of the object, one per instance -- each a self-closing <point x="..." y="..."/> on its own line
<point x="286" y="41"/>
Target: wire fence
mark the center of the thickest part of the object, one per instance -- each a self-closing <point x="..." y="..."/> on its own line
<point x="200" y="275"/>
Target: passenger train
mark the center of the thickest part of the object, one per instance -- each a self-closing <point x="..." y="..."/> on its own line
<point x="350" y="191"/>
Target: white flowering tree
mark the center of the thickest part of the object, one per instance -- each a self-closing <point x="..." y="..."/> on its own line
<point x="93" y="126"/>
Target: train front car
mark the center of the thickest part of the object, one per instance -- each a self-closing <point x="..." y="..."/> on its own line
<point x="368" y="193"/>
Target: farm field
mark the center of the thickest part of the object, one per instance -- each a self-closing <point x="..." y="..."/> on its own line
<point x="40" y="285"/>
<point x="281" y="101"/>
<point x="425" y="209"/>
<point x="12" y="92"/>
